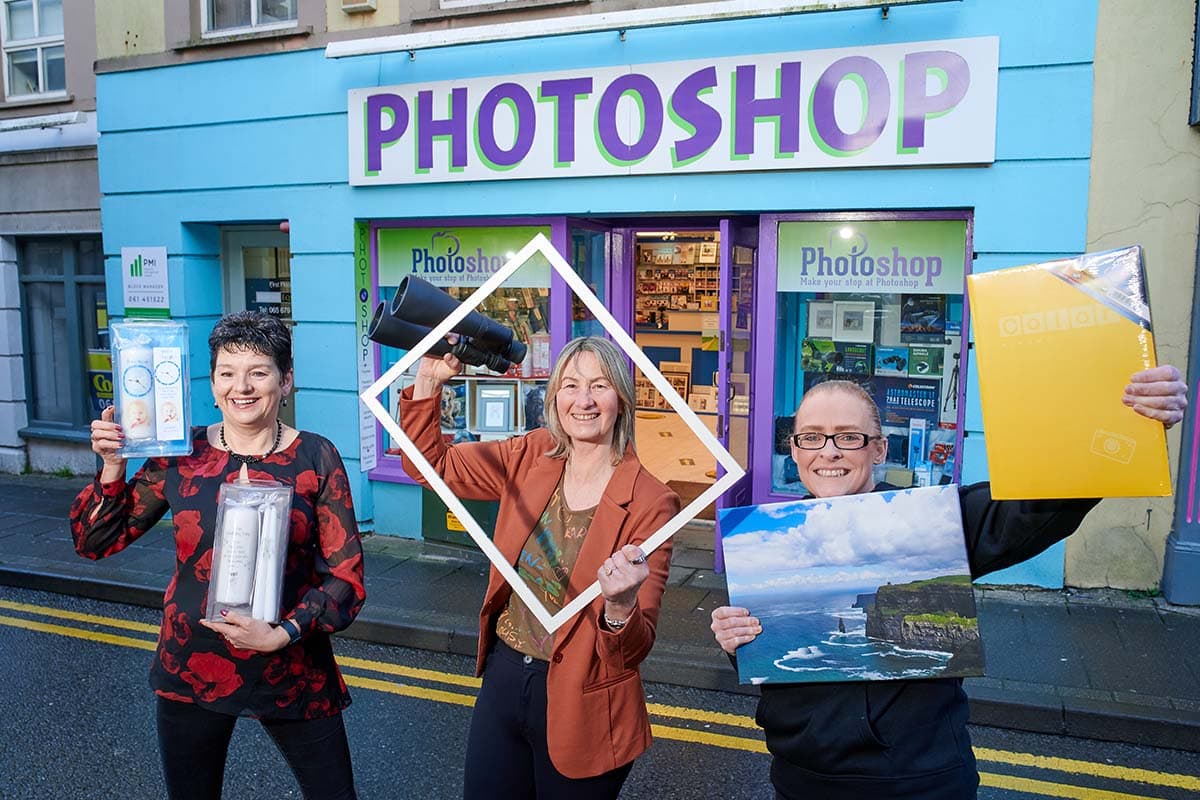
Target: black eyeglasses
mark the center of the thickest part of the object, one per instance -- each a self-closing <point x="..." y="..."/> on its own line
<point x="842" y="441"/>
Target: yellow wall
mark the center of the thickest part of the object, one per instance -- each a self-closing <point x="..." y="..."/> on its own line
<point x="387" y="12"/>
<point x="1145" y="173"/>
<point x="129" y="27"/>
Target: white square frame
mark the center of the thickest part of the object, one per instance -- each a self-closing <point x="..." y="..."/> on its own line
<point x="817" y="329"/>
<point x="866" y="309"/>
<point x="732" y="471"/>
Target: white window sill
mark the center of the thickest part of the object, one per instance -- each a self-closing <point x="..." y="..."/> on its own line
<point x="37" y="100"/>
<point x="246" y="35"/>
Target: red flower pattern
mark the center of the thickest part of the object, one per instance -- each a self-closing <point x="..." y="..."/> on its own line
<point x="191" y="663"/>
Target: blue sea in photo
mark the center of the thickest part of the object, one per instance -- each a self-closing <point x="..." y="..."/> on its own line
<point x="801" y="642"/>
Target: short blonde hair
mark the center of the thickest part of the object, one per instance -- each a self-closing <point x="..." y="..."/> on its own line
<point x="845" y="387"/>
<point x="615" y="369"/>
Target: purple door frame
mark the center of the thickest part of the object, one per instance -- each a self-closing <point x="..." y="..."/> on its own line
<point x="766" y="288"/>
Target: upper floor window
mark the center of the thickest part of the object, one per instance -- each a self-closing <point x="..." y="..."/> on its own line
<point x="223" y="17"/>
<point x="31" y="33"/>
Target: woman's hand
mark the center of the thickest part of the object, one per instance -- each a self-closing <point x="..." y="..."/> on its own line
<point x="1158" y="393"/>
<point x="733" y="627"/>
<point x="620" y="576"/>
<point x="246" y="633"/>
<point x="107" y="438"/>
<point x="433" y="372"/>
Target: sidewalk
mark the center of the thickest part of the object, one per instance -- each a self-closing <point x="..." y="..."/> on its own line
<point x="1094" y="664"/>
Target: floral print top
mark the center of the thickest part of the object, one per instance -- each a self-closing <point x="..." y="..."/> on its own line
<point x="323" y="587"/>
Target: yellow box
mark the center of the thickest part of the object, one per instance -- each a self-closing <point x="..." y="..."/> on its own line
<point x="1057" y="343"/>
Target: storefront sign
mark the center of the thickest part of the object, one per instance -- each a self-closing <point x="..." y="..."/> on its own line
<point x="364" y="300"/>
<point x="458" y="256"/>
<point x="100" y="382"/>
<point x="914" y="256"/>
<point x="144" y="281"/>
<point x="270" y="295"/>
<point x="916" y="103"/>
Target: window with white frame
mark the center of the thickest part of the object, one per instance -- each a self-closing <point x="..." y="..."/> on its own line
<point x="224" y="17"/>
<point x="31" y="34"/>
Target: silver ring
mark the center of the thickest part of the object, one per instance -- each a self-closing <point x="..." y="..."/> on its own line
<point x="638" y="560"/>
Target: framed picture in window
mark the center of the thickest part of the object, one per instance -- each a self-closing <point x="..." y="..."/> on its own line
<point x="707" y="253"/>
<point x="820" y="320"/>
<point x="679" y="382"/>
<point x="854" y="321"/>
<point x="495" y="407"/>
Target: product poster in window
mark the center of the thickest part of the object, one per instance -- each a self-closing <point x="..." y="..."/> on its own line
<point x="877" y="300"/>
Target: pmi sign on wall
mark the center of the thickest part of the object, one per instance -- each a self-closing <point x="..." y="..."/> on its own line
<point x="905" y="104"/>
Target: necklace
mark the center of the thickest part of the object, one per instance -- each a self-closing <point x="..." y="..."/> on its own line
<point x="253" y="459"/>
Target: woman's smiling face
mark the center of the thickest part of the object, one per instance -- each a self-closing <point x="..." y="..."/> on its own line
<point x="830" y="472"/>
<point x="248" y="387"/>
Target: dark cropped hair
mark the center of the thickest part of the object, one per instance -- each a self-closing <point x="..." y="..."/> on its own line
<point x="254" y="331"/>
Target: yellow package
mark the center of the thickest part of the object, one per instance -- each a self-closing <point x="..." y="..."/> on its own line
<point x="1057" y="343"/>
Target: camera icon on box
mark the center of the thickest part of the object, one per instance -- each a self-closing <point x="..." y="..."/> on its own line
<point x="1113" y="445"/>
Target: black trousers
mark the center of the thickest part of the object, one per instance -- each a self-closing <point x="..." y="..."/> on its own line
<point x="193" y="743"/>
<point x="507" y="756"/>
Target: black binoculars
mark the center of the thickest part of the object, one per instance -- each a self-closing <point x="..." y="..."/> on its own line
<point x="419" y="306"/>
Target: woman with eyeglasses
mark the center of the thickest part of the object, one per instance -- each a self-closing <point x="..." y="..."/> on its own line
<point x="891" y="740"/>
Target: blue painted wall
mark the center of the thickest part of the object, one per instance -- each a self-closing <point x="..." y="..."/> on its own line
<point x="187" y="148"/>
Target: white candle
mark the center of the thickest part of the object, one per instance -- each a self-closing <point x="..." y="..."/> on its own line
<point x="239" y="547"/>
<point x="266" y="580"/>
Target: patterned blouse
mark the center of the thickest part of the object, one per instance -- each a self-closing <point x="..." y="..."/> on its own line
<point x="323" y="586"/>
<point x="546" y="564"/>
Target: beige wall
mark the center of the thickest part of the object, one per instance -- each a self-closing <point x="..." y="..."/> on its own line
<point x="1145" y="188"/>
<point x="130" y="27"/>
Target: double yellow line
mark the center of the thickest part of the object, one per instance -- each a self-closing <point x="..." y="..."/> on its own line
<point x="752" y="744"/>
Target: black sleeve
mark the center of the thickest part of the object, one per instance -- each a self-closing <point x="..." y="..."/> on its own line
<point x="1001" y="533"/>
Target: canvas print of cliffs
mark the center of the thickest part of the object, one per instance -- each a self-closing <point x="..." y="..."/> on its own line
<point x="858" y="588"/>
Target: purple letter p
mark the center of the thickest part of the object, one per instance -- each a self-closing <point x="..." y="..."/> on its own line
<point x="379" y="137"/>
<point x="916" y="106"/>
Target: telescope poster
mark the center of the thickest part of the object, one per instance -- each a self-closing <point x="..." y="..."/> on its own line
<point x="864" y="587"/>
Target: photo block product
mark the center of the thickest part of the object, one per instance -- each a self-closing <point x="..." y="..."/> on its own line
<point x="1073" y="330"/>
<point x="864" y="587"/>
<point x="820" y="320"/>
<point x="495" y="407"/>
<point x="150" y="387"/>
<point x="249" y="549"/>
<point x="854" y="321"/>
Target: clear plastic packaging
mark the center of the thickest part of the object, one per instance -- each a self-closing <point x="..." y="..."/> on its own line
<point x="249" y="550"/>
<point x="150" y="387"/>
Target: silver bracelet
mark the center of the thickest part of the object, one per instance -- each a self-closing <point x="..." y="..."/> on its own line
<point x="616" y="624"/>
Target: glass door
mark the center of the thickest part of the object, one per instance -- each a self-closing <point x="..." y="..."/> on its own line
<point x="738" y="255"/>
<point x="258" y="276"/>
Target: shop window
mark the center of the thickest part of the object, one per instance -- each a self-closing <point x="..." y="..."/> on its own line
<point x="224" y="17"/>
<point x="480" y="405"/>
<point x="31" y="32"/>
<point x="879" y="303"/>
<point x="65" y="320"/>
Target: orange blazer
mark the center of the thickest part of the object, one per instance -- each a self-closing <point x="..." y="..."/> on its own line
<point x="596" y="706"/>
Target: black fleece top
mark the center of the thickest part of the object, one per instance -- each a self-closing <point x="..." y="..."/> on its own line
<point x="903" y="739"/>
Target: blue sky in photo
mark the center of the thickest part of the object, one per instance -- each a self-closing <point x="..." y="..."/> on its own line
<point x="851" y="543"/>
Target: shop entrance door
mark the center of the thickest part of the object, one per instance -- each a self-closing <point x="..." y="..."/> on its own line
<point x="739" y="257"/>
<point x="258" y="276"/>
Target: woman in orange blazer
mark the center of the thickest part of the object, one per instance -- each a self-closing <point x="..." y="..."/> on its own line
<point x="559" y="715"/>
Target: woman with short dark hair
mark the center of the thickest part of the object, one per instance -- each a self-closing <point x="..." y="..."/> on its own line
<point x="205" y="674"/>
